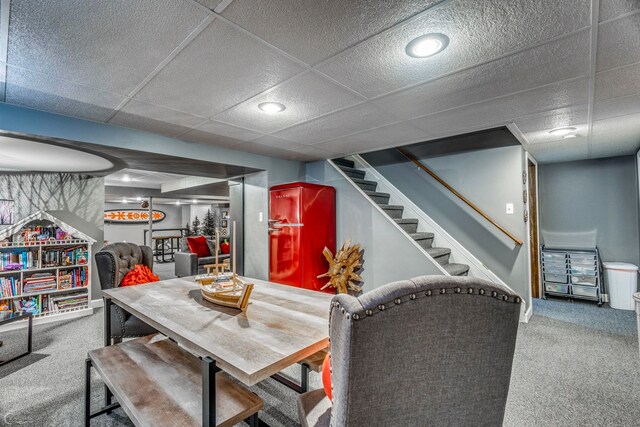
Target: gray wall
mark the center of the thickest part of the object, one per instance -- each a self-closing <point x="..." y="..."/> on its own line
<point x="490" y="178"/>
<point x="76" y="200"/>
<point x="388" y="255"/>
<point x="592" y="202"/>
<point x="256" y="236"/>
<point x="134" y="232"/>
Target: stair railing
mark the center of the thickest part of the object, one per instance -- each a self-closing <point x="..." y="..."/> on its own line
<point x="431" y="173"/>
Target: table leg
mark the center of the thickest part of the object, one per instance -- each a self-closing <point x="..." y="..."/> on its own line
<point x="209" y="370"/>
<point x="30" y="335"/>
<point x="107" y="342"/>
<point x="87" y="392"/>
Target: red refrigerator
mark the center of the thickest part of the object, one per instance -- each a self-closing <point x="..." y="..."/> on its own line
<point x="302" y="221"/>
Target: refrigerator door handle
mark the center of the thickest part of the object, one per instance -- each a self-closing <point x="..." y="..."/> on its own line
<point x="274" y="229"/>
<point x="291" y="225"/>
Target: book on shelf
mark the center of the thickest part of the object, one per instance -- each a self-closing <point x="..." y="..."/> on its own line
<point x="10" y="287"/>
<point x="60" y="257"/>
<point x="39" y="282"/>
<point x="22" y="260"/>
<point x="67" y="302"/>
<point x="77" y="278"/>
<point x="43" y="304"/>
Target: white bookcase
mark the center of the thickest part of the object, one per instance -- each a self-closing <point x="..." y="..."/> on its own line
<point x="53" y="264"/>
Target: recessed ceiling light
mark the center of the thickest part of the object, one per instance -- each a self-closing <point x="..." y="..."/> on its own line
<point x="563" y="131"/>
<point x="126" y="178"/>
<point x="427" y="45"/>
<point x="178" y="202"/>
<point x="124" y="200"/>
<point x="272" y="107"/>
<point x="195" y="200"/>
<point x="571" y="135"/>
<point x="138" y="199"/>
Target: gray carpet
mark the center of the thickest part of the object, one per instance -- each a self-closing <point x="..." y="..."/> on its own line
<point x="575" y="365"/>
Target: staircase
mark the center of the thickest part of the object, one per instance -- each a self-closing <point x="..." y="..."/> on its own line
<point x="395" y="212"/>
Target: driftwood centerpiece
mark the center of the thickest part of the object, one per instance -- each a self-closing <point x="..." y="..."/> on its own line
<point x="343" y="268"/>
<point x="225" y="288"/>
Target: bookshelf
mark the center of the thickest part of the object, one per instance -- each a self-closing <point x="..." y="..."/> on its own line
<point x="49" y="278"/>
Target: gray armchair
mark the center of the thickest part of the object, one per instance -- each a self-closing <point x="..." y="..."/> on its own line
<point x="189" y="264"/>
<point x="434" y="350"/>
<point x="114" y="262"/>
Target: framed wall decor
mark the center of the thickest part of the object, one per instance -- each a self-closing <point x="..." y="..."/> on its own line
<point x="6" y="211"/>
<point x="224" y="223"/>
<point x="225" y="214"/>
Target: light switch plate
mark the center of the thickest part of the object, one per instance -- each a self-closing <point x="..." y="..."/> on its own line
<point x="509" y="208"/>
<point x="260" y="217"/>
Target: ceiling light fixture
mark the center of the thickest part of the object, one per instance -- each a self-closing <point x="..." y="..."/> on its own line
<point x="195" y="201"/>
<point x="126" y="178"/>
<point x="571" y="135"/>
<point x="124" y="200"/>
<point x="427" y="45"/>
<point x="177" y="202"/>
<point x="563" y="131"/>
<point x="272" y="107"/>
<point x="138" y="199"/>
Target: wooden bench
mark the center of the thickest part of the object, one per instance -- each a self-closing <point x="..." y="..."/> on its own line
<point x="158" y="383"/>
<point x="313" y="362"/>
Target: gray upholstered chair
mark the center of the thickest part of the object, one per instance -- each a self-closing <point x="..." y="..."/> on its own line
<point x="114" y="261"/>
<point x="189" y="264"/>
<point x="434" y="350"/>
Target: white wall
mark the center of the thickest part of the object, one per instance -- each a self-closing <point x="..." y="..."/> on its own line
<point x="256" y="236"/>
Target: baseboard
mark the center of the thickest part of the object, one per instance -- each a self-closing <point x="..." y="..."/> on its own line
<point x="96" y="303"/>
<point x="525" y="315"/>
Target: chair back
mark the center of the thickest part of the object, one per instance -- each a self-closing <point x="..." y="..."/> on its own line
<point x="433" y="350"/>
<point x="114" y="261"/>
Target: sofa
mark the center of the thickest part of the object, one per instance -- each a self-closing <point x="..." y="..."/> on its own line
<point x="114" y="261"/>
<point x="189" y="264"/>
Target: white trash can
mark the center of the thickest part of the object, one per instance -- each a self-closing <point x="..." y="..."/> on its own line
<point x="621" y="279"/>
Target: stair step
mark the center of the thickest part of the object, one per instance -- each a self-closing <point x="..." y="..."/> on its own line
<point x="365" y="185"/>
<point x="394" y="211"/>
<point x="425" y="240"/>
<point x="410" y="225"/>
<point x="344" y="162"/>
<point x="353" y="172"/>
<point x="441" y="255"/>
<point x="379" y="198"/>
<point x="457" y="269"/>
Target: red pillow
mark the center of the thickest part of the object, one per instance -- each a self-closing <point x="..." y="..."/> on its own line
<point x="198" y="245"/>
<point x="138" y="275"/>
<point x="326" y="376"/>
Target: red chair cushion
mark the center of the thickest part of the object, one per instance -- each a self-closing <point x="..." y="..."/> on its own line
<point x="138" y="275"/>
<point x="198" y="245"/>
<point x="326" y="376"/>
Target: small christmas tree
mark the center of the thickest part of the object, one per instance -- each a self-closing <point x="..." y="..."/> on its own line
<point x="195" y="226"/>
<point x="188" y="228"/>
<point x="208" y="224"/>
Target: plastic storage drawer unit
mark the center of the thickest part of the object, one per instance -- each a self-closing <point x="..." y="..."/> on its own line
<point x="585" y="291"/>
<point x="556" y="288"/>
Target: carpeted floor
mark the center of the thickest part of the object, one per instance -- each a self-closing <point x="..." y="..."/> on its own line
<point x="575" y="365"/>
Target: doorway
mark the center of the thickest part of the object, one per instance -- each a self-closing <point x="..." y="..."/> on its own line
<point x="534" y="257"/>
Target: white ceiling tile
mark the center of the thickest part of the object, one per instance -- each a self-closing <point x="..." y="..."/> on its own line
<point x="305" y="96"/>
<point x="275" y="147"/>
<point x="526" y="70"/>
<point x="618" y="42"/>
<point x="536" y="127"/>
<point x="478" y="30"/>
<point x="616" y="136"/>
<point x="617" y="107"/>
<point x="224" y="129"/>
<point x="559" y="151"/>
<point x="612" y="8"/>
<point x="354" y="119"/>
<point x="383" y="137"/>
<point x="506" y="109"/>
<point x="221" y="67"/>
<point x="208" y="138"/>
<point x="42" y="92"/>
<point x="275" y="142"/>
<point x="153" y="118"/>
<point x="312" y="30"/>
<point x="618" y="82"/>
<point x="112" y="45"/>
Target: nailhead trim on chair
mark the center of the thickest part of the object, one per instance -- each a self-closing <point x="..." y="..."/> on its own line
<point x="413" y="297"/>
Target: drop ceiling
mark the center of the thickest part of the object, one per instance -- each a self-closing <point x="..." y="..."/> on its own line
<point x="196" y="71"/>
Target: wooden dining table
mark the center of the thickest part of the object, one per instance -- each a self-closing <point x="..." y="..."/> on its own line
<point x="281" y="326"/>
